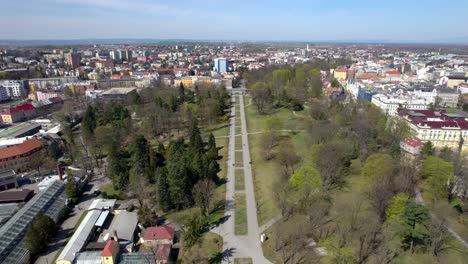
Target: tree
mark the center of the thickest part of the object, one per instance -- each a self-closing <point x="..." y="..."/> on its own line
<point x="163" y="193"/>
<point x="415" y="225"/>
<point x="194" y="230"/>
<point x="72" y="188"/>
<point x="307" y="178"/>
<point x="397" y="207"/>
<point x="89" y="121"/>
<point x="335" y="83"/>
<point x="54" y="151"/>
<point x="287" y="159"/>
<point x="439" y="237"/>
<point x="427" y="149"/>
<point x="140" y="157"/>
<point x="181" y="92"/>
<point x="212" y="150"/>
<point x="39" y="233"/>
<point x="332" y="160"/>
<point x="261" y="96"/>
<point x="203" y="192"/>
<point x="179" y="175"/>
<point x="439" y="177"/>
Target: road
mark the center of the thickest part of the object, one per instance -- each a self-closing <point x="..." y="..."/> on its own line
<point x="69" y="224"/>
<point x="246" y="246"/>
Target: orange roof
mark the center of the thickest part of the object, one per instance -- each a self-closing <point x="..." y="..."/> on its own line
<point x="393" y="72"/>
<point x="111" y="248"/>
<point x="22" y="148"/>
<point x="342" y="69"/>
<point x="367" y="76"/>
<point x="158" y="232"/>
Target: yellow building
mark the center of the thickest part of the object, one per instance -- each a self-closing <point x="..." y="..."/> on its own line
<point x="187" y="81"/>
<point x="341" y="73"/>
<point x="110" y="252"/>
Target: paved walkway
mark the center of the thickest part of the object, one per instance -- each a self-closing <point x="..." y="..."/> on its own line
<point x="420" y="200"/>
<point x="247" y="246"/>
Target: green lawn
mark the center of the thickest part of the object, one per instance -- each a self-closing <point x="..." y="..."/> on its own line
<point x="239" y="160"/>
<point x="109" y="190"/>
<point x="238" y="130"/>
<point x="266" y="172"/>
<point x="238" y="143"/>
<point x="240" y="215"/>
<point x="240" y="180"/>
<point x="211" y="245"/>
<point x="243" y="261"/>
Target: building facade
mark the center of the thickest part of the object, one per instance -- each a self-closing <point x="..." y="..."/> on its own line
<point x="19" y="157"/>
<point x="441" y="128"/>
<point x="389" y="104"/>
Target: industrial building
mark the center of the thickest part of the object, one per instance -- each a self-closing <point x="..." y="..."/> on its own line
<point x="12" y="233"/>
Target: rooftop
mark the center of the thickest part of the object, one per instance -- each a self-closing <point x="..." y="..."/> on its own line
<point x="25" y="147"/>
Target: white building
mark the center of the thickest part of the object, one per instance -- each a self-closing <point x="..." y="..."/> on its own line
<point x="389" y="104"/>
<point x="12" y="89"/>
<point x="448" y="97"/>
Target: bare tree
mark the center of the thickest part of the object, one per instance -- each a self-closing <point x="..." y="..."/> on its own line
<point x="203" y="191"/>
<point x="287" y="159"/>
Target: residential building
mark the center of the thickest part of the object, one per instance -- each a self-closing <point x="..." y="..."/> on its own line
<point x="73" y="59"/>
<point x="445" y="97"/>
<point x="11" y="89"/>
<point x="8" y="180"/>
<point x="441" y="128"/>
<point x="19" y="157"/>
<point x="44" y="83"/>
<point x="157" y="235"/>
<point x="341" y="73"/>
<point x="18" y="113"/>
<point x="412" y="146"/>
<point x="389" y="104"/>
<point x="222" y="65"/>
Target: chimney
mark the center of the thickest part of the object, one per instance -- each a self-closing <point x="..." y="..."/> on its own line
<point x="59" y="172"/>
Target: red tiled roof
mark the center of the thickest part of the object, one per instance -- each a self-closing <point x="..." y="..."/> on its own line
<point x="158" y="232"/>
<point x="342" y="69"/>
<point x="110" y="249"/>
<point x="392" y="72"/>
<point x="19" y="108"/>
<point x="368" y="76"/>
<point x="163" y="252"/>
<point x="414" y="142"/>
<point x="22" y="148"/>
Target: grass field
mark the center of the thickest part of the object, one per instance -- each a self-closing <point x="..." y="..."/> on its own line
<point x="238" y="142"/>
<point x="240" y="180"/>
<point x="239" y="160"/>
<point x="243" y="261"/>
<point x="211" y="245"/>
<point x="240" y="215"/>
<point x="266" y="172"/>
<point x="109" y="190"/>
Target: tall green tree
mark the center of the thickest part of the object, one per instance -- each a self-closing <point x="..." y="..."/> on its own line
<point x="212" y="150"/>
<point x="164" y="196"/>
<point x="427" y="149"/>
<point x="416" y="220"/>
<point x="89" y="120"/>
<point x="141" y="156"/>
<point x="179" y="175"/>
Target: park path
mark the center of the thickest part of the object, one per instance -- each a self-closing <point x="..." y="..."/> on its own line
<point x="420" y="201"/>
<point x="245" y="246"/>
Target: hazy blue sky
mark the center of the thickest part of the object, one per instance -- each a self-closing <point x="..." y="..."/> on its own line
<point x="306" y="20"/>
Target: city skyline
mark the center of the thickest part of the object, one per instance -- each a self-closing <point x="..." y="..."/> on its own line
<point x="300" y="20"/>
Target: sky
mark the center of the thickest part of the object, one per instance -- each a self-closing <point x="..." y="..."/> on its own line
<point x="243" y="20"/>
